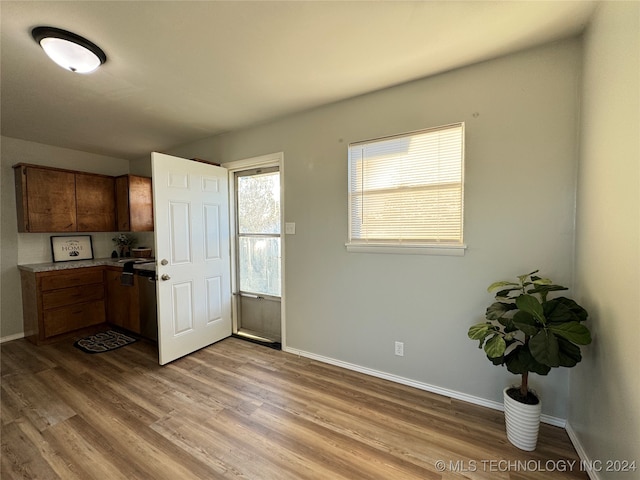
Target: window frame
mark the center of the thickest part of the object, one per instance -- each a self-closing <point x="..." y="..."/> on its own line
<point x="414" y="247"/>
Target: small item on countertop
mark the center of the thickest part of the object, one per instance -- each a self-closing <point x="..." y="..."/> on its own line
<point x="141" y="252"/>
<point x="114" y="254"/>
<point x="124" y="242"/>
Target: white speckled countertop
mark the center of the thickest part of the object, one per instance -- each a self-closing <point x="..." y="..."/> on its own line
<point x="48" y="267"/>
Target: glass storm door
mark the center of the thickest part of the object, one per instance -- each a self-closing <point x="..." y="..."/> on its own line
<point x="258" y="252"/>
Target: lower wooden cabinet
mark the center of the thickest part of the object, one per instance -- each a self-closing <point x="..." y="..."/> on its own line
<point x="57" y="303"/>
<point x="63" y="301"/>
<point x="71" y="318"/>
<point x="123" y="304"/>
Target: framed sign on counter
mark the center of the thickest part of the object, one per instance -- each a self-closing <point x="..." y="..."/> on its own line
<point x="67" y="249"/>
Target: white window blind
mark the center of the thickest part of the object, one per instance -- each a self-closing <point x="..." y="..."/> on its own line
<point x="407" y="190"/>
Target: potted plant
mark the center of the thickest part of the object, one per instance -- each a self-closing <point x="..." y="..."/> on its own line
<point x="528" y="332"/>
<point x="124" y="242"/>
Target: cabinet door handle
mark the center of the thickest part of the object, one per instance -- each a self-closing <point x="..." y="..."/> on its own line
<point x="165" y="276"/>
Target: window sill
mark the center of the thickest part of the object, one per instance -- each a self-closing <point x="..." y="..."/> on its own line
<point x="447" y="250"/>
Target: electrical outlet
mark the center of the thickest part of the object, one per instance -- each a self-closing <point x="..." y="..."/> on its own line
<point x="400" y="349"/>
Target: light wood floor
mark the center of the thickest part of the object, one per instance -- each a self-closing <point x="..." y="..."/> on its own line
<point x="240" y="410"/>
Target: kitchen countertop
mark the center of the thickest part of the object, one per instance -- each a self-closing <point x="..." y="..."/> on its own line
<point x="96" y="262"/>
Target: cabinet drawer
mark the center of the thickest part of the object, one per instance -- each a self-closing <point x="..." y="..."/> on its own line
<point x="67" y="319"/>
<point x="72" y="295"/>
<point x="75" y="278"/>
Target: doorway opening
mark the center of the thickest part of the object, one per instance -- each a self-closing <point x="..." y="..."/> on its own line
<point x="258" y="255"/>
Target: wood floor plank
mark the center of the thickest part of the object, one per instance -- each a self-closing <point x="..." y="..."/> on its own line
<point x="266" y="447"/>
<point x="237" y="410"/>
<point x="34" y="400"/>
<point x="339" y="450"/>
<point x="21" y="359"/>
<point x="243" y="453"/>
<point x="85" y="451"/>
<point x="21" y="457"/>
<point x="128" y="433"/>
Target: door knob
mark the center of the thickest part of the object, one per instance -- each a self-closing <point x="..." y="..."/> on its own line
<point x="165" y="276"/>
<point x="164" y="261"/>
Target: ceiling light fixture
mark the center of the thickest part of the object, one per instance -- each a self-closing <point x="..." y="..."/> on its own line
<point x="70" y="51"/>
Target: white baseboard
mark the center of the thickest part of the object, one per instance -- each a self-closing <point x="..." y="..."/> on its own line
<point x="593" y="475"/>
<point x="15" y="336"/>
<point x="556" y="421"/>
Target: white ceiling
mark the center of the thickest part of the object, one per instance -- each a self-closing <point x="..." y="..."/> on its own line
<point x="179" y="71"/>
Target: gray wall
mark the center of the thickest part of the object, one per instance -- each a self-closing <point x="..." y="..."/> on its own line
<point x="605" y="393"/>
<point x="20" y="248"/>
<point x="521" y="115"/>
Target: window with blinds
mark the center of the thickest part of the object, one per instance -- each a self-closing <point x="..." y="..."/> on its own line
<point x="407" y="190"/>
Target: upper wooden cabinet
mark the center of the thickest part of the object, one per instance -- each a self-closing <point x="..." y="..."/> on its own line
<point x="46" y="199"/>
<point x="95" y="203"/>
<point x="55" y="200"/>
<point x="134" y="203"/>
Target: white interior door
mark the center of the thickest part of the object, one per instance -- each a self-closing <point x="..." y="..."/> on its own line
<point x="191" y="212"/>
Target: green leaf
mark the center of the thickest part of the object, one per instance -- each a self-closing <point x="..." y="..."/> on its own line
<point x="546" y="289"/>
<point x="479" y="331"/>
<point x="505" y="293"/>
<point x="520" y="361"/>
<point x="539" y="368"/>
<point x="516" y="363"/>
<point x="522" y="278"/>
<point x="495" y="346"/>
<point x="496" y="310"/>
<point x="557" y="312"/>
<point x="541" y="281"/>
<point x="531" y="305"/>
<point x="573" y="331"/>
<point x="544" y="348"/>
<point x="496" y="285"/>
<point x="524" y="321"/>
<point x="496" y="360"/>
<point x="578" y="313"/>
<point x="508" y="325"/>
<point x="568" y="352"/>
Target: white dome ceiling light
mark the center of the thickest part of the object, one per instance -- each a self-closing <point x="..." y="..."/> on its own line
<point x="70" y="51"/>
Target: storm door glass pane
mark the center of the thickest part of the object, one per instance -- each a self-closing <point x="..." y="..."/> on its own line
<point x="258" y="204"/>
<point x="260" y="265"/>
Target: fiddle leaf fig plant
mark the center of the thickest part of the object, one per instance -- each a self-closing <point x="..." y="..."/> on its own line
<point x="527" y="332"/>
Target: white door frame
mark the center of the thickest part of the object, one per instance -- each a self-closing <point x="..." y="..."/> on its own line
<point x="269" y="160"/>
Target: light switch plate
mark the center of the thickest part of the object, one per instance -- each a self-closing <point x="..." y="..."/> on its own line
<point x="290" y="228"/>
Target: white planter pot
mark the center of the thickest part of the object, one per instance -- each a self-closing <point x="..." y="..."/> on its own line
<point x="522" y="422"/>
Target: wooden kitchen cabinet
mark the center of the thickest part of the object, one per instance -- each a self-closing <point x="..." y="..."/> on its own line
<point x="95" y="202"/>
<point x="134" y="203"/>
<point x="123" y="305"/>
<point x="51" y="200"/>
<point x="60" y="302"/>
<point x="45" y="198"/>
